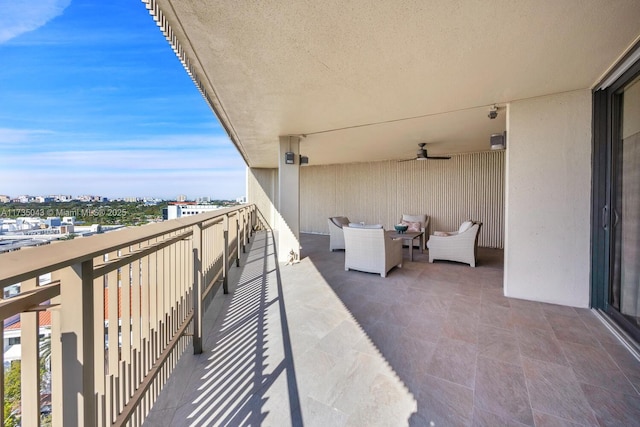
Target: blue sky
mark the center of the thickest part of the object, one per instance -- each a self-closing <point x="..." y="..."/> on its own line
<point x="94" y="101"/>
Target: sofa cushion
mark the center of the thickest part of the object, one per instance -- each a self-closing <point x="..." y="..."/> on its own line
<point x="440" y="233"/>
<point x="358" y="225"/>
<point x="465" y="226"/>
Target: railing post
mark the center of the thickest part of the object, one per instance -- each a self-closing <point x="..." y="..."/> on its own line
<point x="247" y="232"/>
<point x="197" y="288"/>
<point x="77" y="344"/>
<point x="225" y="255"/>
<point x="244" y="232"/>
<point x="30" y="363"/>
<point x="237" y="240"/>
<point x="2" y="375"/>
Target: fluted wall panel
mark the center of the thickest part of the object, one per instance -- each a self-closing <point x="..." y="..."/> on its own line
<point x="469" y="186"/>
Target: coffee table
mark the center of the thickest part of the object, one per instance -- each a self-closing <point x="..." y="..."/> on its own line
<point x="410" y="236"/>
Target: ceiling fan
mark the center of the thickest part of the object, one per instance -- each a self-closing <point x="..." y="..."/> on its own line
<point x="422" y="155"/>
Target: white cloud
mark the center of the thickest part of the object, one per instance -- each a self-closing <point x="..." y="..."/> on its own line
<point x="214" y="171"/>
<point x="39" y="140"/>
<point x="20" y="136"/>
<point x="167" y="160"/>
<point x="21" y="16"/>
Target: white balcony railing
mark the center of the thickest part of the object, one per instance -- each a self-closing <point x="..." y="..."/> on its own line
<point x="124" y="305"/>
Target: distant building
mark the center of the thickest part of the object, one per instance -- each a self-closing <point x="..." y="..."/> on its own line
<point x="4" y="198"/>
<point x="25" y="198"/>
<point x="131" y="199"/>
<point x="241" y="200"/>
<point x="53" y="221"/>
<point x="179" y="210"/>
<point x="91" y="198"/>
<point x="44" y="199"/>
<point x="181" y="198"/>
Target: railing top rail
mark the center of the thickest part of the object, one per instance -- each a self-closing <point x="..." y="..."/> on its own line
<point x="16" y="267"/>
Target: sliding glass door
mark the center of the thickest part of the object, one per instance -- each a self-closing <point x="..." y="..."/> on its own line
<point x="624" y="295"/>
<point x="615" y="266"/>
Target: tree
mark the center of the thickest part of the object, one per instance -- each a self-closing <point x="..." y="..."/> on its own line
<point x="9" y="417"/>
<point x="12" y="383"/>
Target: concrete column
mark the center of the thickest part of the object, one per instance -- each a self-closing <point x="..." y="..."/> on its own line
<point x="548" y="199"/>
<point x="288" y="217"/>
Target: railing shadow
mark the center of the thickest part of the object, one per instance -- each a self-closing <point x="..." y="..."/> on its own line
<point x="246" y="374"/>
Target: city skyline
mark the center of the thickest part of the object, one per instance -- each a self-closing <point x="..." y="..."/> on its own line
<point x="96" y="102"/>
<point x="60" y="197"/>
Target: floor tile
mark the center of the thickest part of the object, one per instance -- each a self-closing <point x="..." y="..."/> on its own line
<point x="613" y="409"/>
<point x="540" y="344"/>
<point x="501" y="389"/>
<point x="454" y="361"/>
<point x="496" y="316"/>
<point x="483" y="418"/>
<point x="443" y="403"/>
<point x="498" y="344"/>
<point x="546" y="420"/>
<point x="554" y="389"/>
<point x="596" y="367"/>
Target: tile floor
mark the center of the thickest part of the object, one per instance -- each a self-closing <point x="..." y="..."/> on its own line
<point x="430" y="345"/>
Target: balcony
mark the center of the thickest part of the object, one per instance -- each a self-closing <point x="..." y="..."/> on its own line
<point x="300" y="344"/>
<point x="310" y="344"/>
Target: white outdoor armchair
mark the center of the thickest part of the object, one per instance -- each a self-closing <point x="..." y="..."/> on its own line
<point x="460" y="246"/>
<point x="424" y="224"/>
<point x="336" y="237"/>
<point x="370" y="250"/>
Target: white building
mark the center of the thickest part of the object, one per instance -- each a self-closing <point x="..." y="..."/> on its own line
<point x="179" y="210"/>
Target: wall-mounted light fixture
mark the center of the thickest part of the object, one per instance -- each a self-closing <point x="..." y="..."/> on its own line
<point x="304" y="160"/>
<point x="498" y="141"/>
<point x="289" y="158"/>
<point x="493" y="113"/>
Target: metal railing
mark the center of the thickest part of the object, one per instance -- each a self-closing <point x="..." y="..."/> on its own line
<point x="124" y="306"/>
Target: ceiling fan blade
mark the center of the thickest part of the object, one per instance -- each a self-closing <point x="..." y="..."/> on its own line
<point x="438" y="158"/>
<point x="406" y="160"/>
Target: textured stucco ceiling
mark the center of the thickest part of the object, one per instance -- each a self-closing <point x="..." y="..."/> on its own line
<point x="369" y="80"/>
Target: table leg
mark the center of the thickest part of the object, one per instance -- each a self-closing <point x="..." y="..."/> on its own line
<point x="422" y="243"/>
<point x="411" y="249"/>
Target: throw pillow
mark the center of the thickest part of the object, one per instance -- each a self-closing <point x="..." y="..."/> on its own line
<point x="415" y="218"/>
<point x="440" y="233"/>
<point x="465" y="226"/>
<point x="412" y="226"/>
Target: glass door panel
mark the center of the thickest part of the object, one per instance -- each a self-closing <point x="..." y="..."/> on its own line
<point x="625" y="272"/>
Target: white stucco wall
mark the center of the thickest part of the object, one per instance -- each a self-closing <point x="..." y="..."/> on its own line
<point x="548" y="190"/>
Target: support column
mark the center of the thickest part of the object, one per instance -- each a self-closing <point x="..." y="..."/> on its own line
<point x="288" y="221"/>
